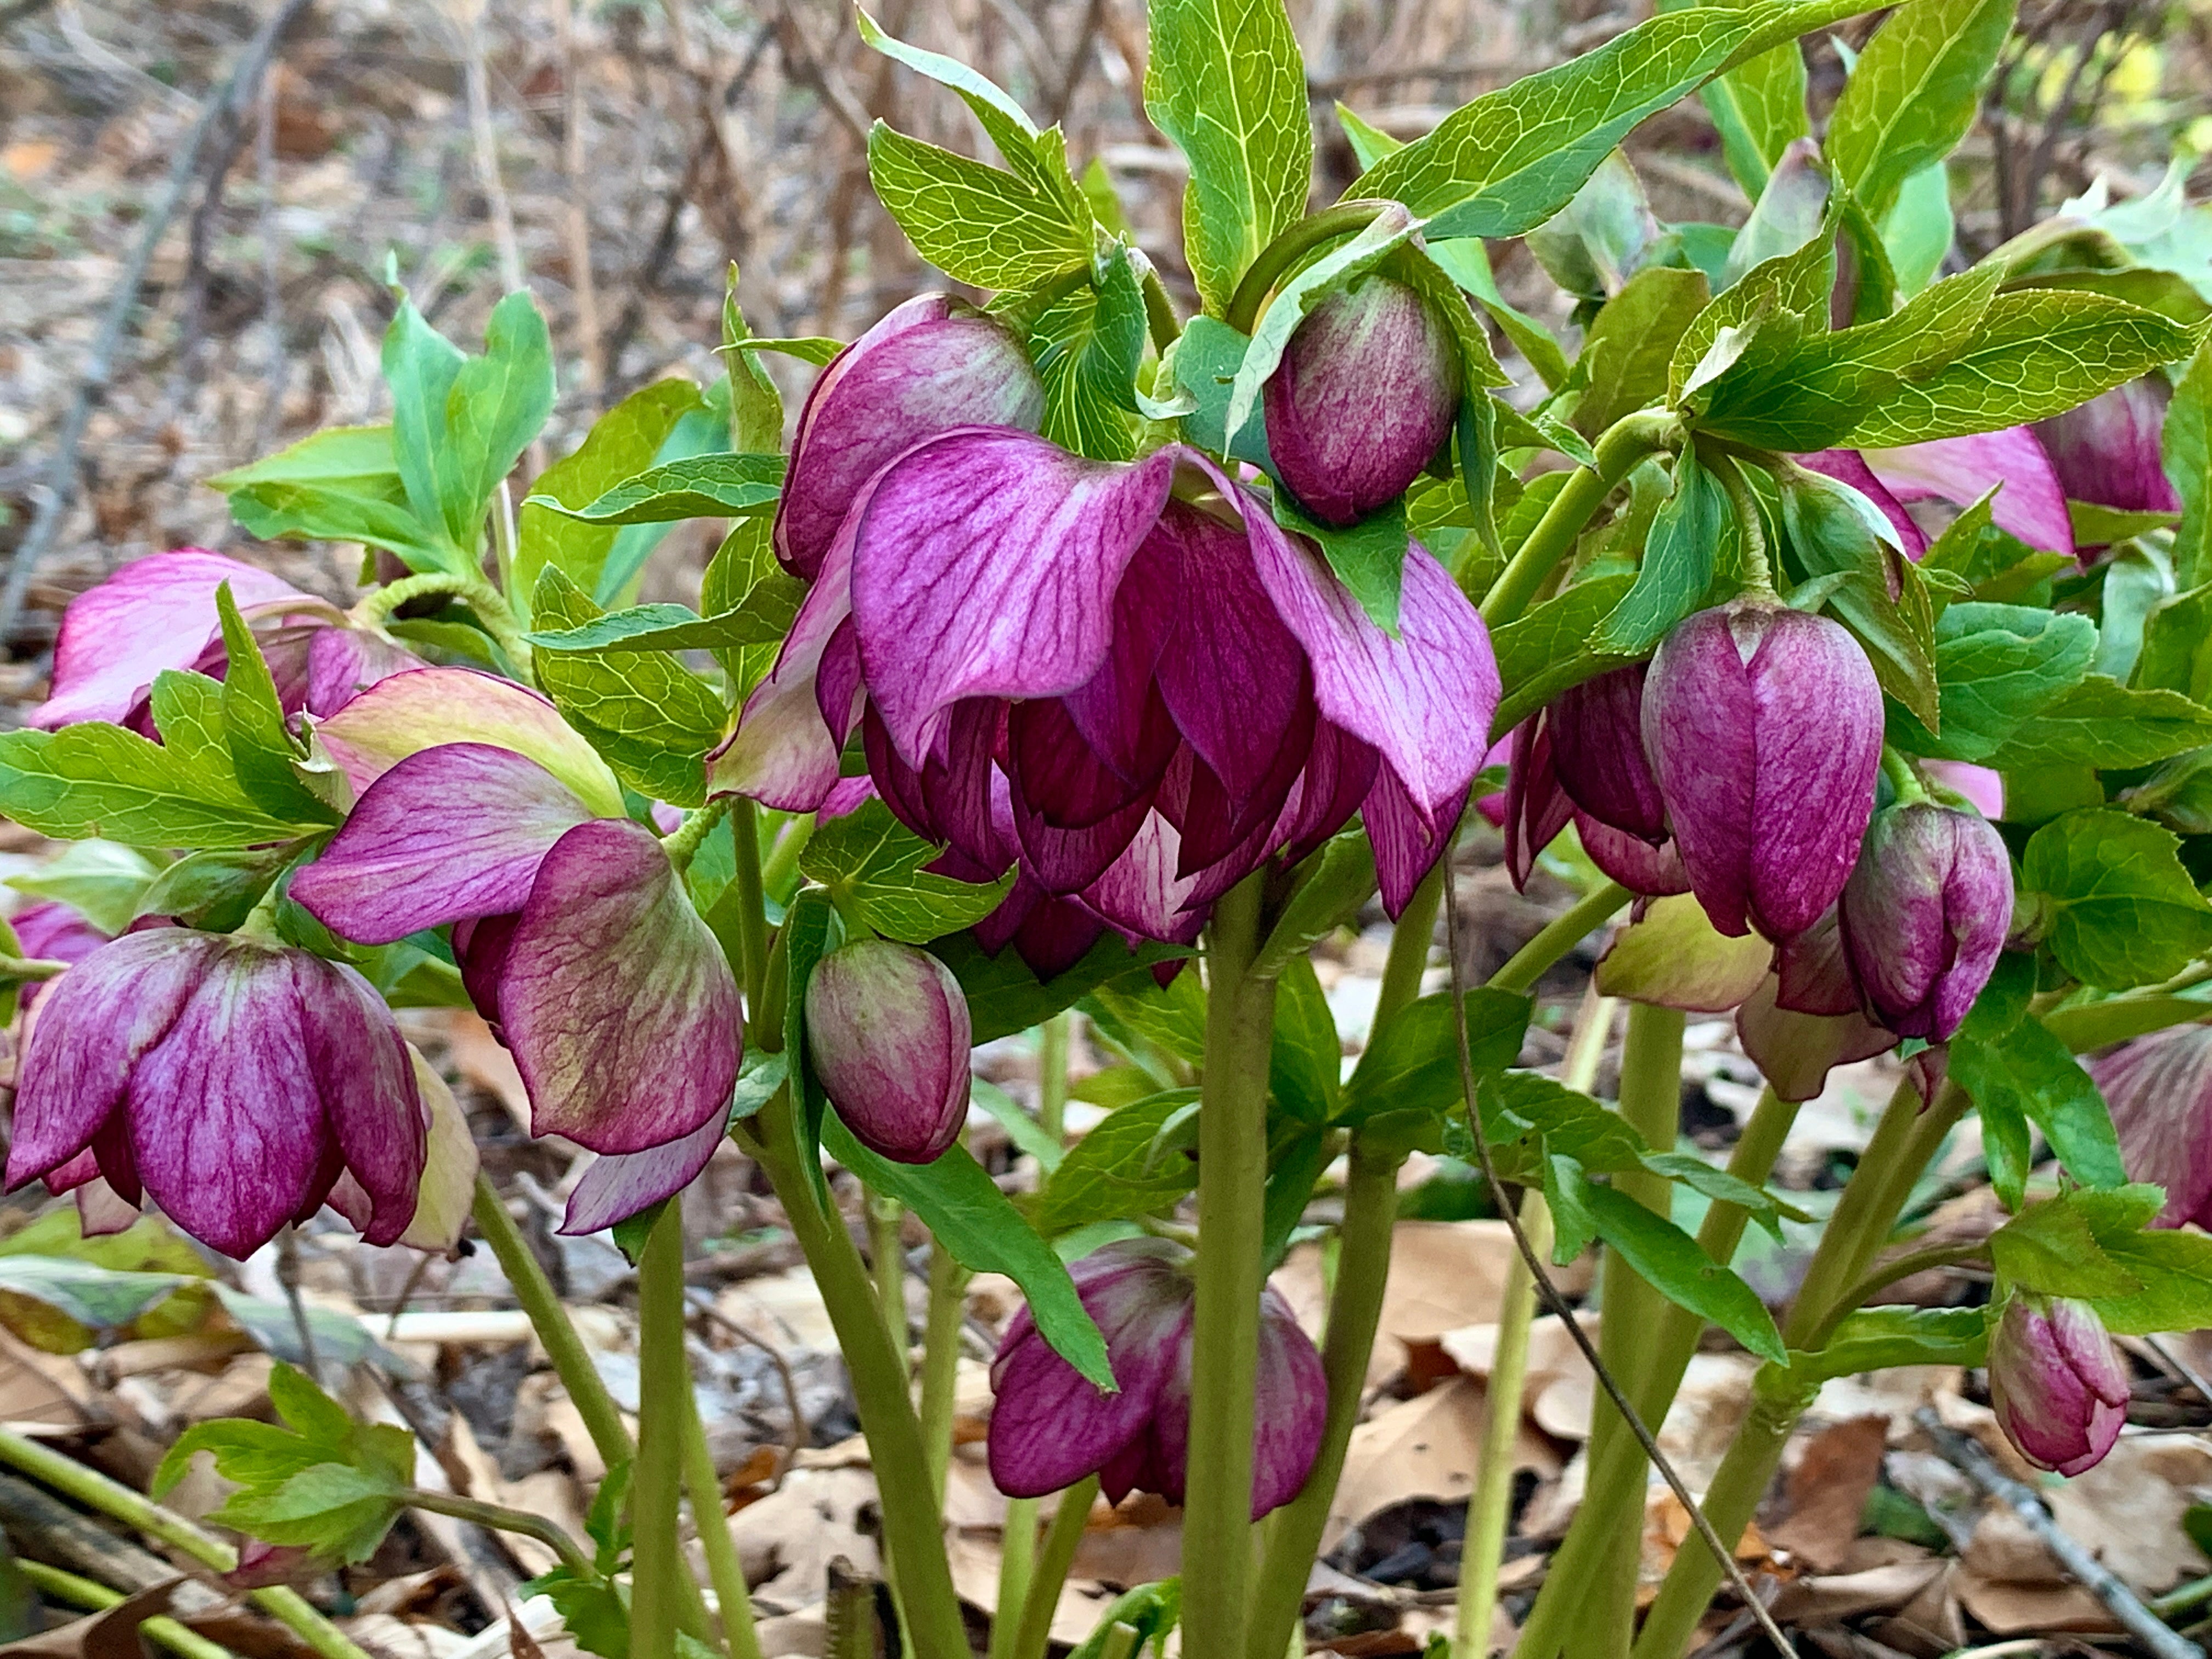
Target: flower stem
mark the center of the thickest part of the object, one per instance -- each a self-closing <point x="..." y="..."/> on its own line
<point x="141" y="1514"/>
<point x="940" y="1360"/>
<point x="1053" y="1043"/>
<point x="1363" y="1269"/>
<point x="1017" y="1565"/>
<point x="1651" y="1105"/>
<point x="1902" y="776"/>
<point x="1626" y="443"/>
<point x="783" y="863"/>
<point x="752" y="912"/>
<point x="59" y="1586"/>
<point x="1053" y="1561"/>
<point x="1675" y="1340"/>
<point x="887" y="1256"/>
<point x="571" y="1362"/>
<point x="656" y="1606"/>
<point x="376" y="608"/>
<point x="1410" y="942"/>
<point x="1751" y="526"/>
<point x="1588" y="914"/>
<point x="732" y="1600"/>
<point x="1295" y="241"/>
<point x="500" y="1518"/>
<point x="911" y="1529"/>
<point x="682" y="843"/>
<point x="1233" y="1164"/>
<point x="1490" y="1506"/>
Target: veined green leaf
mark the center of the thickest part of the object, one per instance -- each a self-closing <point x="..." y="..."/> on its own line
<point x="869" y="858"/>
<point x="2186" y="443"/>
<point x="2101" y="723"/>
<point x="697" y="487"/>
<point x="765" y="618"/>
<point x="621" y="446"/>
<point x="1913" y="93"/>
<point x="2125" y="911"/>
<point x="326" y="512"/>
<point x="1225" y="82"/>
<point x="1087" y="346"/>
<point x="1672" y="1263"/>
<point x="94" y="779"/>
<point x="973" y="223"/>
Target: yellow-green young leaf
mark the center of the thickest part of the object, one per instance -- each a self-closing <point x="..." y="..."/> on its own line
<point x="261" y="752"/>
<point x="2036" y="355"/>
<point x="2124" y="911"/>
<point x="498" y="402"/>
<point x="1913" y="93"/>
<point x="872" y="860"/>
<point x="1111" y="1173"/>
<point x="94" y="779"/>
<point x="1625" y="355"/>
<point x="420" y="366"/>
<point x="103" y="879"/>
<point x="1226" y="83"/>
<point x="1759" y="107"/>
<point x="1507" y="161"/>
<point x="649" y="717"/>
<point x="336" y="455"/>
<point x="712" y="486"/>
<point x="1087" y="345"/>
<point x="620" y="445"/>
<point x="371" y="510"/>
<point x="2187" y="443"/>
<point x="976" y="223"/>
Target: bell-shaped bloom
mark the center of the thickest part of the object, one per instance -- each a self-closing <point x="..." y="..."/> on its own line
<point x="2159" y="1090"/>
<point x="2058" y="1385"/>
<point x="1134" y="697"/>
<point x="1763" y="726"/>
<point x="1535" y="806"/>
<point x="1597" y="749"/>
<point x="1364" y="396"/>
<point x="2107" y="451"/>
<point x="160" y="612"/>
<point x="233" y="1081"/>
<point x="887" y="1029"/>
<point x="1809" y="1016"/>
<point x="1924" y="915"/>
<point x="2030" y="503"/>
<point x="1050" y="1427"/>
<point x="931" y="363"/>
<point x="573" y="933"/>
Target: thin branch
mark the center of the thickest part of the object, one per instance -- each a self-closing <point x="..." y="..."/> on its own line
<point x="59" y="494"/>
<point x="1556" y="1303"/>
<point x="795" y="1438"/>
<point x="1965" y="1453"/>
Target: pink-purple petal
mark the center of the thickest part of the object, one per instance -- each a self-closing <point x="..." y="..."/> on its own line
<point x="617" y="1187"/>
<point x="1848" y="466"/>
<point x="783" y="753"/>
<point x="366" y="1079"/>
<point x="1959" y="470"/>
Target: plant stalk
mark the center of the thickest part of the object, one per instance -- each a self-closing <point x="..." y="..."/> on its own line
<point x="887" y="1256"/>
<point x="940" y="1361"/>
<point x="752" y="912"/>
<point x="1054" y="1041"/>
<point x="141" y="1514"/>
<point x="1588" y="914"/>
<point x="1411" y="941"/>
<point x="733" y="1600"/>
<point x="911" y="1529"/>
<point x="657" y="1607"/>
<point x="1061" y="1540"/>
<point x="1017" y="1565"/>
<point x="500" y="1518"/>
<point x="1626" y="443"/>
<point x="55" y="1585"/>
<point x="572" y="1361"/>
<point x="1274" y="262"/>
<point x="1232" y="1166"/>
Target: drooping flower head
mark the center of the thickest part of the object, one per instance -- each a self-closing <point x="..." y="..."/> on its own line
<point x="2107" y="452"/>
<point x="1124" y="679"/>
<point x="1363" y="399"/>
<point x="1050" y="1427"/>
<point x="2029" y="504"/>
<point x="888" y="1029"/>
<point x="2057" y="1383"/>
<point x="233" y="1080"/>
<point x="1924" y="915"/>
<point x="160" y="612"/>
<point x="574" y="936"/>
<point x="1763" y="726"/>
<point x="2159" y="1090"/>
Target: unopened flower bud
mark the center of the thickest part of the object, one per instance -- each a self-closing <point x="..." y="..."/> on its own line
<point x="2057" y="1383"/>
<point x="1764" y="726"/>
<point x="1364" y="398"/>
<point x="888" y="1029"/>
<point x="1924" y="915"/>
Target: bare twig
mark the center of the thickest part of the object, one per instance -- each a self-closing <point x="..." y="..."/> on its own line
<point x="1964" y="1453"/>
<point x="577" y="221"/>
<point x="805" y="63"/>
<point x="795" y="1439"/>
<point x="1556" y="1303"/>
<point x="60" y="491"/>
<point x="477" y="79"/>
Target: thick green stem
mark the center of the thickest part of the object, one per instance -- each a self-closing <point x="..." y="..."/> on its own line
<point x="733" y="1600"/>
<point x="912" y="1531"/>
<point x="1490" y="1506"/>
<point x="1588" y="914"/>
<point x="1053" y="1044"/>
<point x="572" y="1363"/>
<point x="658" y="1607"/>
<point x="491" y="610"/>
<point x="1410" y="942"/>
<point x="57" y="1585"/>
<point x="1159" y="312"/>
<point x="1017" y="1565"/>
<point x="1626" y="443"/>
<point x="781" y="867"/>
<point x="940" y="1360"/>
<point x="1672" y="1345"/>
<point x="1232" y="1166"/>
<point x="752" y="912"/>
<point x="1053" y="1561"/>
<point x="141" y="1514"/>
<point x="1293" y="1534"/>
<point x="1906" y="1138"/>
<point x="1276" y="259"/>
<point x="1651" y="1103"/>
<point x="887" y="1256"/>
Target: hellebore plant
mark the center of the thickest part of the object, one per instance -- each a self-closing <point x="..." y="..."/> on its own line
<point x="1105" y="648"/>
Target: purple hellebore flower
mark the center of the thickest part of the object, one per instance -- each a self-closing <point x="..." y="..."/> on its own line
<point x="1763" y="726"/>
<point x="931" y="363"/>
<point x="1136" y="698"/>
<point x="1597" y="749"/>
<point x="2030" y="505"/>
<point x="573" y="931"/>
<point x="1050" y="1427"/>
<point x="888" y="1030"/>
<point x="1365" y="395"/>
<point x="1924" y="915"/>
<point x="52" y="932"/>
<point x="2057" y="1383"/>
<point x="233" y="1081"/>
<point x="2159" y="1089"/>
<point x="160" y="612"/>
<point x="1808" y="1016"/>
<point x="1979" y="786"/>
<point x="2107" y="451"/>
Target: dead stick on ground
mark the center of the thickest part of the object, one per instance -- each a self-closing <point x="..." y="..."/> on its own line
<point x="1554" y="1302"/>
<point x="60" y="491"/>
<point x="1965" y="1453"/>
